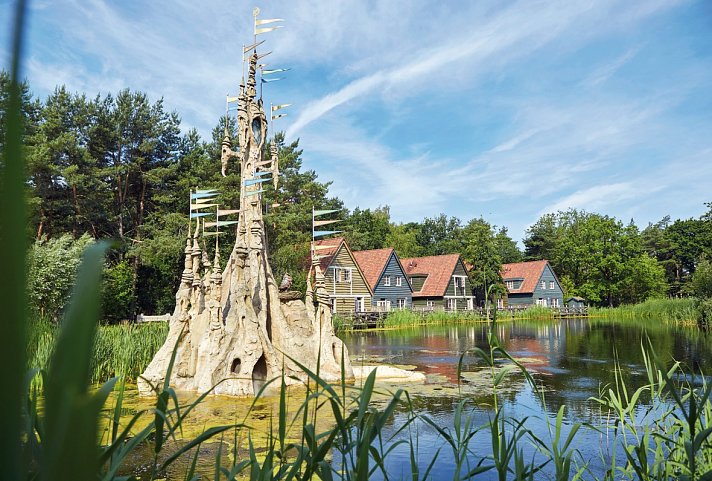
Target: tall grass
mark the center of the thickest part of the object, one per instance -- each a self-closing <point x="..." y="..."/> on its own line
<point x="414" y="318"/>
<point x="674" y="311"/>
<point x="122" y="350"/>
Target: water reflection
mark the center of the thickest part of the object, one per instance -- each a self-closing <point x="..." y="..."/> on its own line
<point x="572" y="360"/>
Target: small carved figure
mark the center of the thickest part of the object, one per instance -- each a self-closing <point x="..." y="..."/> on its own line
<point x="286" y="283"/>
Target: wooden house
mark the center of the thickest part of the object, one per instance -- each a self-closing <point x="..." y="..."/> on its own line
<point x="386" y="278"/>
<point x="575" y="301"/>
<point x="532" y="283"/>
<point x="345" y="282"/>
<point x="439" y="283"/>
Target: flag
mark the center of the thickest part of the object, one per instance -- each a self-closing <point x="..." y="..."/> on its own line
<point x="278" y="116"/>
<point x="201" y="195"/>
<point x="222" y="212"/>
<point x="193" y="215"/>
<point x="201" y="206"/>
<point x="263" y="55"/>
<point x="317" y="223"/>
<point x="279" y="107"/>
<point x="232" y="98"/>
<point x="320" y="233"/>
<point x="275" y="70"/>
<point x="324" y="212"/>
<point x="203" y="201"/>
<point x="266" y="29"/>
<point x="255" y="181"/>
<point x="250" y="47"/>
<point x="268" y="80"/>
<point x="268" y="20"/>
<point x="254" y="192"/>
<point x="319" y="248"/>
<point x="262" y="174"/>
<point x="221" y="223"/>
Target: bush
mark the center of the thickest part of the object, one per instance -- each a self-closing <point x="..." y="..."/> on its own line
<point x="52" y="266"/>
<point x="117" y="295"/>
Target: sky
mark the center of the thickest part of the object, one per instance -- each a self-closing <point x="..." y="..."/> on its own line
<point x="502" y="109"/>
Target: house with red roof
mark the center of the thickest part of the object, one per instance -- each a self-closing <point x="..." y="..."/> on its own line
<point x="345" y="282"/>
<point x="386" y="277"/>
<point x="439" y="282"/>
<point x="532" y="283"/>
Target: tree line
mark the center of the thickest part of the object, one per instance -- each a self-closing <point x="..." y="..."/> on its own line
<point x="118" y="167"/>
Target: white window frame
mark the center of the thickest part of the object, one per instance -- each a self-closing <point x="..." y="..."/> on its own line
<point x="509" y="284"/>
<point x="543" y="285"/>
<point x="429" y="303"/>
<point x="551" y="284"/>
<point x="384" y="304"/>
<point x="401" y="303"/>
<point x="555" y="302"/>
<point x="451" y="304"/>
<point x="500" y="303"/>
<point x="470" y="304"/>
<point x="541" y="302"/>
<point x="399" y="281"/>
<point x="347" y="274"/>
<point x="387" y="280"/>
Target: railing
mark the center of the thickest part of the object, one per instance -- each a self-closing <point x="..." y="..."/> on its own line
<point x="162" y="318"/>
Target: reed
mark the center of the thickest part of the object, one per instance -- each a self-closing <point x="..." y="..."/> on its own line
<point x="122" y="350"/>
<point x="674" y="311"/>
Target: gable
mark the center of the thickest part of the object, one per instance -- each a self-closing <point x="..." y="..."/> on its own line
<point x="343" y="258"/>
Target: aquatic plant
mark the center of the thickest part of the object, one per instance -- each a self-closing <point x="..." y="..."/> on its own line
<point x="675" y="311"/>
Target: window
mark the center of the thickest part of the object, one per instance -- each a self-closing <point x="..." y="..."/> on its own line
<point x="399" y="281"/>
<point x="500" y="303"/>
<point x="470" y="304"/>
<point x="347" y="275"/>
<point x="543" y="284"/>
<point x="510" y="285"/>
<point x="451" y="304"/>
<point x="555" y="302"/>
<point x="383" y="305"/>
<point x="333" y="305"/>
<point x="551" y="284"/>
<point x="358" y="304"/>
<point x="541" y="302"/>
<point x="459" y="282"/>
<point x="429" y="304"/>
<point x="401" y="302"/>
<point x="387" y="281"/>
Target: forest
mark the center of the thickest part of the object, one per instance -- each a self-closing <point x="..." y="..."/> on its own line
<point x="120" y="167"/>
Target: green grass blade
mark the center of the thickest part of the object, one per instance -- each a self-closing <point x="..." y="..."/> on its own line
<point x="71" y="420"/>
<point x="12" y="258"/>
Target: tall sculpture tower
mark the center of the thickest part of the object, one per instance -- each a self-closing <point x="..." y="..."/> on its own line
<point x="232" y="327"/>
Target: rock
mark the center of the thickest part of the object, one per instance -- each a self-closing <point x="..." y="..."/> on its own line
<point x="388" y="373"/>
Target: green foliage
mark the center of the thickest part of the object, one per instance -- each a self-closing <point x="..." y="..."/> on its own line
<point x="701" y="287"/>
<point x="366" y="229"/>
<point x="117" y="292"/>
<point x="404" y="240"/>
<point x="675" y="311"/>
<point x="52" y="265"/>
<point x="602" y="259"/>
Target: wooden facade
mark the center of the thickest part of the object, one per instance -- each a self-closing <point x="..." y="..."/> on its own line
<point x="532" y="283"/>
<point x="386" y="278"/>
<point x="345" y="282"/>
<point x="439" y="283"/>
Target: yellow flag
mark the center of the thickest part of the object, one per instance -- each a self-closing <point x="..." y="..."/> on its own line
<point x="279" y="107"/>
<point x="268" y="20"/>
<point x="266" y="29"/>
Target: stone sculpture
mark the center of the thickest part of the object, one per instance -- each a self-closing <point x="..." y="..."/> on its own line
<point x="232" y="329"/>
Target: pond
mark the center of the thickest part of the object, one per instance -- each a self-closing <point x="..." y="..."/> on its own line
<point x="572" y="360"/>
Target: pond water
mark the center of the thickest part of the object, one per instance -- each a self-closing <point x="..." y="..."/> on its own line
<point x="571" y="360"/>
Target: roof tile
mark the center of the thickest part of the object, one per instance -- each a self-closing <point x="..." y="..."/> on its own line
<point x="529" y="271"/>
<point x="438" y="269"/>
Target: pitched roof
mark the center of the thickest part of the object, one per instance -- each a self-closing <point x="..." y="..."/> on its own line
<point x="372" y="263"/>
<point x="438" y="270"/>
<point x="529" y="271"/>
<point x="328" y="254"/>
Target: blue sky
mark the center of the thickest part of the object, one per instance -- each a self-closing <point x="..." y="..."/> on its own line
<point x="504" y="109"/>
